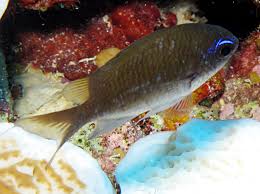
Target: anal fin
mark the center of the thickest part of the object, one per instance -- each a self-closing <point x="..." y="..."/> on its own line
<point x="105" y="125"/>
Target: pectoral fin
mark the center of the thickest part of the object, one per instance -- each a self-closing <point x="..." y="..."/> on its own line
<point x="105" y="125"/>
<point x="178" y="113"/>
<point x="185" y="104"/>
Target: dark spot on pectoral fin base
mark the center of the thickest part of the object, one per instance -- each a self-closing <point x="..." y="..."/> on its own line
<point x="106" y="125"/>
<point x="77" y="91"/>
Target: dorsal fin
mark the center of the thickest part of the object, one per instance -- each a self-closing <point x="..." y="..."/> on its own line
<point x="77" y="91"/>
<point x="105" y="55"/>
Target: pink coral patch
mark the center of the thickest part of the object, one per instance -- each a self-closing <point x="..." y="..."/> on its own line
<point x="226" y="111"/>
<point x="247" y="58"/>
<point x="257" y="69"/>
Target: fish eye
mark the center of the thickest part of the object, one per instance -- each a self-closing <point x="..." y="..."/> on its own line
<point x="225" y="50"/>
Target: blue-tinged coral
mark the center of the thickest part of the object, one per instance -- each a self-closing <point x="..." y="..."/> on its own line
<point x="202" y="156"/>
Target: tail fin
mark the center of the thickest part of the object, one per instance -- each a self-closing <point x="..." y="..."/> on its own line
<point x="58" y="125"/>
<point x="63" y="124"/>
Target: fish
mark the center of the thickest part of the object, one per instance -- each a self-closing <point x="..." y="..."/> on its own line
<point x="152" y="74"/>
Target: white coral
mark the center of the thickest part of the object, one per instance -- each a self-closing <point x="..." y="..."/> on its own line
<point x="3" y="7"/>
<point x="23" y="160"/>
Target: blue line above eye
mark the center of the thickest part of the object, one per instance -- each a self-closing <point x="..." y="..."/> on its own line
<point x="220" y="42"/>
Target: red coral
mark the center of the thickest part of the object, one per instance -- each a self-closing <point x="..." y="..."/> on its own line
<point x="169" y="19"/>
<point x="247" y="58"/>
<point x="211" y="88"/>
<point x="45" y="4"/>
<point x="73" y="72"/>
<point x="136" y="19"/>
<point x="63" y="50"/>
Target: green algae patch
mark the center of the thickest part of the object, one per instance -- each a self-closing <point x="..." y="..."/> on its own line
<point x="254" y="77"/>
<point x="208" y="113"/>
<point x="81" y="139"/>
<point x="245" y="110"/>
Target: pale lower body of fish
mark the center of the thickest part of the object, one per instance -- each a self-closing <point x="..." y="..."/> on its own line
<point x="152" y="102"/>
<point x="159" y="99"/>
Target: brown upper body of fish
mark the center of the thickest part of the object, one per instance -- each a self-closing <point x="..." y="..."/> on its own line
<point x="152" y="74"/>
